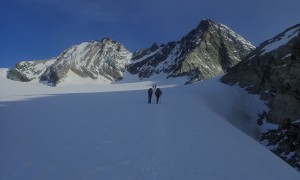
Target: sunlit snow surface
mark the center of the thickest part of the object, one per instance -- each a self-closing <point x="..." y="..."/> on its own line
<point x="108" y="131"/>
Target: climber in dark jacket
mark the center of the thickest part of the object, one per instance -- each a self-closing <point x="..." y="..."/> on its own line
<point x="150" y="92"/>
<point x="158" y="93"/>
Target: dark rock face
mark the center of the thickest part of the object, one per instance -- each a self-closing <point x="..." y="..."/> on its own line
<point x="273" y="72"/>
<point x="207" y="51"/>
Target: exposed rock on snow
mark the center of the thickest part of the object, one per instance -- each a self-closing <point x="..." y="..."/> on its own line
<point x="285" y="142"/>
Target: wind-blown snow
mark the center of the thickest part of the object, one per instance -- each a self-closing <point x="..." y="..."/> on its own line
<point x="113" y="133"/>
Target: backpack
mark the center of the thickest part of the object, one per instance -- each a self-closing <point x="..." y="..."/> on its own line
<point x="158" y="92"/>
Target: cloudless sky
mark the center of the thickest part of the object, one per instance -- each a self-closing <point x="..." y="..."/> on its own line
<point x="42" y="29"/>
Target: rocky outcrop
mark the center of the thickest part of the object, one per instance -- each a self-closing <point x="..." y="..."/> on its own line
<point x="285" y="142"/>
<point x="273" y="72"/>
<point x="207" y="51"/>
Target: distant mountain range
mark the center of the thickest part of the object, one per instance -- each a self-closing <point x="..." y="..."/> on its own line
<point x="208" y="50"/>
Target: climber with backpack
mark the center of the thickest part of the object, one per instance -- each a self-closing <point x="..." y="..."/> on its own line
<point x="150" y="92"/>
<point x="158" y="93"/>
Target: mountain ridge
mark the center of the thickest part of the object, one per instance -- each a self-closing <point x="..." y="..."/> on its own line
<point x="108" y="60"/>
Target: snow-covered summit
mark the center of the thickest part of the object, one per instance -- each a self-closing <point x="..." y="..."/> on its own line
<point x="103" y="60"/>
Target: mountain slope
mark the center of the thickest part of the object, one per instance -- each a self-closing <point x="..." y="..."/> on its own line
<point x="186" y="137"/>
<point x="207" y="51"/>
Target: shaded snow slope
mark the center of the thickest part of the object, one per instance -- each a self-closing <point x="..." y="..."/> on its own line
<point x="117" y="135"/>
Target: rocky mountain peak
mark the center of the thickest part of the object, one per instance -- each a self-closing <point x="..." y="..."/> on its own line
<point x="154" y="47"/>
<point x="203" y="27"/>
<point x="206" y="51"/>
<point x="205" y="24"/>
<point x="103" y="60"/>
<point x="108" y="40"/>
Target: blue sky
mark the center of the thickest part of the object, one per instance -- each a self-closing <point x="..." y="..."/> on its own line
<point x="41" y="29"/>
